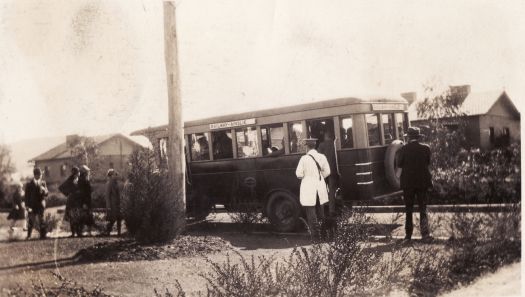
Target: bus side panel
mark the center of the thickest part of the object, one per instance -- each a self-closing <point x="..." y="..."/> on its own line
<point x="277" y="173"/>
<point x="215" y="180"/>
<point x="381" y="184"/>
<point x="352" y="162"/>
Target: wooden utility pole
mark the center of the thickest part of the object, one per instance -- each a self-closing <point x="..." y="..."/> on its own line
<point x="175" y="132"/>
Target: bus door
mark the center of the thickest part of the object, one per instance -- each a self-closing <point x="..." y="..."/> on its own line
<point x="246" y="149"/>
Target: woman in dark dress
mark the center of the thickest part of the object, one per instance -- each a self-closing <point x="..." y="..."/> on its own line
<point x="84" y="196"/>
<point x="18" y="212"/>
<point x="73" y="204"/>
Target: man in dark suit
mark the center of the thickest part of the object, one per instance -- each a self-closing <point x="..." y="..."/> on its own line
<point x="413" y="162"/>
<point x="35" y="193"/>
<point x="327" y="148"/>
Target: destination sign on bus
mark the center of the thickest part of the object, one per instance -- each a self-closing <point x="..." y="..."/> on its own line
<point x="388" y="106"/>
<point x="232" y="124"/>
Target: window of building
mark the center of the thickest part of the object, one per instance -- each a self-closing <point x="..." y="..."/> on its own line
<point x="272" y="138"/>
<point x="247" y="144"/>
<point x="200" y="148"/>
<point x="347" y="135"/>
<point x="372" y="123"/>
<point x="163" y="147"/>
<point x="296" y="134"/>
<point x="492" y="136"/>
<point x="400" y="122"/>
<point x="63" y="169"/>
<point x="222" y="144"/>
<point x="111" y="165"/>
<point x="388" y="127"/>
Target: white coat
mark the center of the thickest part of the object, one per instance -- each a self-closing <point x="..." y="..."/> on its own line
<point x="311" y="185"/>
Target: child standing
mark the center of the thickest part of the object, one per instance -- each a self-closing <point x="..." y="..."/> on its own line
<point x="19" y="210"/>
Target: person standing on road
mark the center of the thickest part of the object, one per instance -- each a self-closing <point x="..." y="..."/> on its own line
<point x="312" y="169"/>
<point x="35" y="193"/>
<point x="413" y="162"/>
<point x="18" y="212"/>
<point x="113" y="202"/>
<point x="327" y="148"/>
<point x="84" y="193"/>
<point x="73" y="204"/>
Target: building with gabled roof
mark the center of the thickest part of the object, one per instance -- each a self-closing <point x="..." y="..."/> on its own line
<point x="113" y="151"/>
<point x="492" y="118"/>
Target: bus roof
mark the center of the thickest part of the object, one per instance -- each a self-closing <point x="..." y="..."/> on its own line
<point x="294" y="108"/>
<point x="282" y="110"/>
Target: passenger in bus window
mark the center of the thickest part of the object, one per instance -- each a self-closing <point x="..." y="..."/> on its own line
<point x="312" y="169"/>
<point x="276" y="151"/>
<point x="222" y="145"/>
<point x="327" y="148"/>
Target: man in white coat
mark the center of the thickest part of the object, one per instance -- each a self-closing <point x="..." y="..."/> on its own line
<point x="312" y="169"/>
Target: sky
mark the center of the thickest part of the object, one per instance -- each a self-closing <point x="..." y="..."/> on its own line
<point x="97" y="67"/>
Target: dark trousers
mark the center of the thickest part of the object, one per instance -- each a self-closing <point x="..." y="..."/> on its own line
<point x="410" y="196"/>
<point x="36" y="219"/>
<point x="315" y="216"/>
<point x="332" y="187"/>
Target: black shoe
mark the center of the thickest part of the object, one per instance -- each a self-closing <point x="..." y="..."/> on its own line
<point x="427" y="239"/>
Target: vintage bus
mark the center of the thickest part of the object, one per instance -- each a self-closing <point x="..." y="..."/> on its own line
<point x="248" y="160"/>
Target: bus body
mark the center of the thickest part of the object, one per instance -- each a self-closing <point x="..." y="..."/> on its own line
<point x="248" y="160"/>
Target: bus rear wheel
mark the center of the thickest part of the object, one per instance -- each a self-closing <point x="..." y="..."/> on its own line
<point x="283" y="211"/>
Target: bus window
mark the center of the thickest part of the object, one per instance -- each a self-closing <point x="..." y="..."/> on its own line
<point x="317" y="128"/>
<point x="388" y="127"/>
<point x="400" y="125"/>
<point x="272" y="140"/>
<point x="222" y="144"/>
<point x="347" y="136"/>
<point x="296" y="135"/>
<point x="372" y="121"/>
<point x="247" y="145"/>
<point x="200" y="147"/>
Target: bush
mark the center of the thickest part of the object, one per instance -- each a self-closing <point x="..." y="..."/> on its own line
<point x="480" y="177"/>
<point x="481" y="242"/>
<point x="149" y="210"/>
<point x="347" y="266"/>
<point x="55" y="199"/>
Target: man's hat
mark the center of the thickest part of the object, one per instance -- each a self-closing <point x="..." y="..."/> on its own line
<point x="413" y="132"/>
<point x="84" y="169"/>
<point x="37" y="171"/>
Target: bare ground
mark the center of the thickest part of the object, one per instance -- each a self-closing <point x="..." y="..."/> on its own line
<point x="24" y="262"/>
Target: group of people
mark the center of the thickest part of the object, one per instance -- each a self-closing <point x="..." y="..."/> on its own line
<point x="78" y="190"/>
<point x="29" y="203"/>
<point x="319" y="176"/>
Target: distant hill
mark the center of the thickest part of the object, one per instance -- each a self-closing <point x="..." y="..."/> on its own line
<point x="23" y="150"/>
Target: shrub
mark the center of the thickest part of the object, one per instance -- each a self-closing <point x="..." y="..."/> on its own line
<point x="480" y="177"/>
<point x="347" y="266"/>
<point x="481" y="242"/>
<point x="55" y="199"/>
<point x="149" y="210"/>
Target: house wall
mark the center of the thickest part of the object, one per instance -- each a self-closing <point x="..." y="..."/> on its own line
<point x="113" y="153"/>
<point x="498" y="122"/>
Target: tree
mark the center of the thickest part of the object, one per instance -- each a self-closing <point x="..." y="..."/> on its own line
<point x="6" y="169"/>
<point x="84" y="151"/>
<point x="445" y="124"/>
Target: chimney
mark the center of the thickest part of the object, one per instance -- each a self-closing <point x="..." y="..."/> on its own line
<point x="460" y="91"/>
<point x="72" y="140"/>
<point x="411" y="97"/>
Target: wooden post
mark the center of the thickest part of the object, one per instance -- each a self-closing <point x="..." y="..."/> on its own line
<point x="176" y="135"/>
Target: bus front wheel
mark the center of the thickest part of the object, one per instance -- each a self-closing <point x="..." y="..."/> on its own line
<point x="283" y="211"/>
